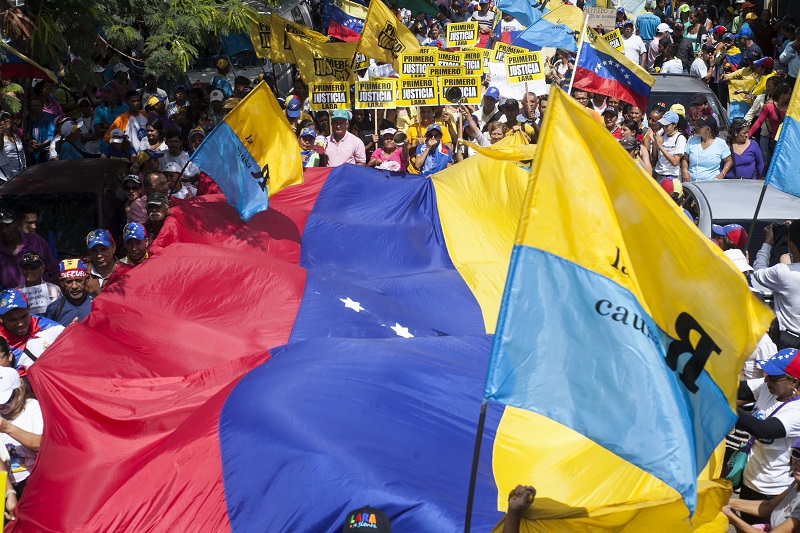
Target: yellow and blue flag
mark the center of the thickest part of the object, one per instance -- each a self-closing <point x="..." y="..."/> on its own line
<point x="619" y="319"/>
<point x="783" y="173"/>
<point x="252" y="154"/>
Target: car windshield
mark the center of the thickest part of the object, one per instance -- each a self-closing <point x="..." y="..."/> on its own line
<point x="64" y="219"/>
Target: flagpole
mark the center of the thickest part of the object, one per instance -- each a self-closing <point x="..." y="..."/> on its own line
<point x="755" y="215"/>
<point x="578" y="54"/>
<point x="473" y="475"/>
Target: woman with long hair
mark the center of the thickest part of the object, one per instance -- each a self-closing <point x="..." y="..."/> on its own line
<point x="746" y="159"/>
<point x="12" y="161"/>
<point x="21" y="426"/>
<point x="707" y="157"/>
<point x="773" y="112"/>
<point x="155" y="135"/>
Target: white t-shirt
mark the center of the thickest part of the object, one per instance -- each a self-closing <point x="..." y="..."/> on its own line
<point x="22" y="458"/>
<point x="788" y="508"/>
<point x="511" y="25"/>
<point x="699" y="69"/>
<point x="768" y="470"/>
<point x="181" y="159"/>
<point x="634" y="48"/>
<point x="673" y="66"/>
<point x="675" y="145"/>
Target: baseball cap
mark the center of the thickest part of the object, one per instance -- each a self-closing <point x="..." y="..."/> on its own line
<point x="720" y="30"/>
<point x="67" y="128"/>
<point x="134" y="178"/>
<point x="684" y="8"/>
<point x="745" y="31"/>
<point x="709" y="48"/>
<point x="610" y="111"/>
<point x="734" y="232"/>
<point x="133" y="230"/>
<point x="99" y="236"/>
<point x="180" y="87"/>
<point x="511" y="102"/>
<point x="627" y="23"/>
<point x="197" y="131"/>
<point x="388" y="131"/>
<point x="230" y="103"/>
<point x="748" y="5"/>
<point x="672" y="186"/>
<point x="117" y="136"/>
<point x="7" y="216"/>
<point x="30" y="258"/>
<point x="738" y="258"/>
<point x="172" y="166"/>
<point x="222" y="63"/>
<point x="9" y="382"/>
<point x="366" y="518"/>
<point x="492" y="92"/>
<point x="629" y="143"/>
<point x="72" y="268"/>
<point x="678" y="26"/>
<point x="433" y="127"/>
<point x="11" y="299"/>
<point x="483" y="2"/>
<point x="153" y="100"/>
<point x="670" y="117"/>
<point x="120" y="67"/>
<point x="157" y="198"/>
<point x="340" y="113"/>
<point x="293" y="107"/>
<point x="785" y="361"/>
<point x="766" y="62"/>
<point x="678" y="109"/>
<point x="216" y="96"/>
<point x="728" y="35"/>
<point x="663" y="28"/>
<point x="308" y="132"/>
<point x="621" y="9"/>
<point x="705" y="122"/>
<point x="751" y="16"/>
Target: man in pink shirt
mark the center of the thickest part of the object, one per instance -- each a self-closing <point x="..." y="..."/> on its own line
<point x="341" y="146"/>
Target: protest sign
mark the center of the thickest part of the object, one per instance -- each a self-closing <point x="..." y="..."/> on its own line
<point x="376" y="94"/>
<point x="523" y="67"/>
<point x="470" y="87"/>
<point x="614" y="38"/>
<point x="473" y="61"/>
<point x="435" y="72"/>
<point x="415" y="65"/>
<point x="417" y="91"/>
<point x="450" y="59"/>
<point x="497" y="71"/>
<point x="38" y="298"/>
<point x="501" y="49"/>
<point x="461" y="34"/>
<point x="329" y="96"/>
<point x="598" y="16"/>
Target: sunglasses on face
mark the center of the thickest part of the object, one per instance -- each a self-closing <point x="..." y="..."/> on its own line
<point x="132" y="188"/>
<point x="796" y="454"/>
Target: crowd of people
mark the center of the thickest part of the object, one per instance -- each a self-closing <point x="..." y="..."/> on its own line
<point x="128" y="114"/>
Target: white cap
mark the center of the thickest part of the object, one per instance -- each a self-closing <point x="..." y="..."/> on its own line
<point x="663" y="28"/>
<point x="117" y="136"/>
<point x="738" y="258"/>
<point x="97" y="69"/>
<point x="172" y="166"/>
<point x="120" y="67"/>
<point x="67" y="128"/>
<point x="9" y="382"/>
<point x="217" y="96"/>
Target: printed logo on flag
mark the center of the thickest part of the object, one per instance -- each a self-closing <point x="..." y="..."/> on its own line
<point x="288" y="28"/>
<point x="329" y="66"/>
<point x="387" y="39"/>
<point x="461" y="34"/>
<point x="376" y="94"/>
<point x="264" y="32"/>
<point x="523" y="67"/>
<point x="419" y="91"/>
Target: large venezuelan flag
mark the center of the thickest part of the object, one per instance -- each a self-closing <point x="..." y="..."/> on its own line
<point x="347" y="20"/>
<point x="605" y="70"/>
<point x="13" y="64"/>
<point x="252" y="154"/>
<point x="329" y="353"/>
<point x="784" y="173"/>
<point x="591" y="335"/>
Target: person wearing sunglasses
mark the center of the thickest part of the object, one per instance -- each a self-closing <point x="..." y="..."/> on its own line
<point x="774" y="426"/>
<point x="782" y="511"/>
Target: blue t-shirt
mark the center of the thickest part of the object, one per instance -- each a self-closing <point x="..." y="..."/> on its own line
<point x="68" y="151"/>
<point x="705" y="164"/>
<point x="43" y="128"/>
<point x="437" y="160"/>
<point x="647" y="24"/>
<point x="69" y="311"/>
<point x="222" y="84"/>
<point x="110" y="152"/>
<point x="105" y="115"/>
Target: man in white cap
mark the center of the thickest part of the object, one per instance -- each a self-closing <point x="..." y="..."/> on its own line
<point x="662" y="30"/>
<point x="177" y="188"/>
<point x="215" y="112"/>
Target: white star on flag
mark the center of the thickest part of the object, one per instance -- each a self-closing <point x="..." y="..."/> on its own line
<point x="401" y="331"/>
<point x="355" y="306"/>
<point x="627" y="76"/>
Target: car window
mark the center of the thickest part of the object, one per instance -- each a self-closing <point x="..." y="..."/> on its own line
<point x="64" y="219"/>
<point x="297" y="15"/>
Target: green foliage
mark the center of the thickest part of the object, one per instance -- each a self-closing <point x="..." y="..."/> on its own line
<point x="9" y="99"/>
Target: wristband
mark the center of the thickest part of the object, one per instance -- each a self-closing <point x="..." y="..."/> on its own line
<point x="11" y="491"/>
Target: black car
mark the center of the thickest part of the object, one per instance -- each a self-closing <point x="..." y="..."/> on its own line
<point x="72" y="198"/>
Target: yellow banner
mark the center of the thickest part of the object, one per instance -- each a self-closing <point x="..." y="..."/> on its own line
<point x="501" y="49"/>
<point x="470" y="87"/>
<point x="329" y="96"/>
<point x="260" y="36"/>
<point x="362" y="61"/>
<point x="614" y="38"/>
<point x="473" y="61"/>
<point x="318" y="62"/>
<point x="523" y="67"/>
<point x="376" y="94"/>
<point x="450" y="59"/>
<point x="280" y="48"/>
<point x="461" y="34"/>
<point x="417" y="91"/>
<point x="384" y="37"/>
<point x="415" y="65"/>
<point x="435" y="72"/>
